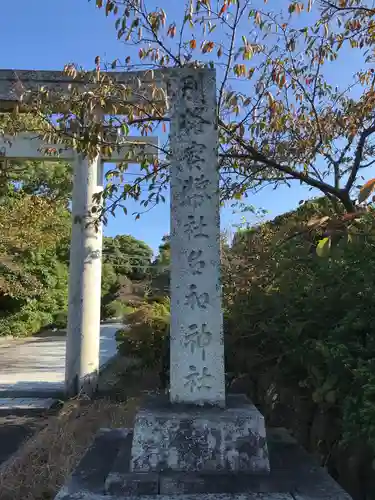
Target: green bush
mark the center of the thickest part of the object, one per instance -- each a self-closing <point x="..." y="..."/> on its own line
<point x="312" y="317"/>
<point x="60" y="320"/>
<point x="27" y="321"/>
<point x="116" y="309"/>
<point x="146" y="328"/>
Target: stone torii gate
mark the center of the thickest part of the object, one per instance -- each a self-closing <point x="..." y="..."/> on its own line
<point x="83" y="329"/>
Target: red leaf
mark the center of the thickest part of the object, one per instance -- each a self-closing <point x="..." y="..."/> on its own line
<point x="223" y="9"/>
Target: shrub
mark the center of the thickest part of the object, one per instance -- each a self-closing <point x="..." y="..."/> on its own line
<point x="146" y="328"/>
<point x="116" y="309"/>
<point x="60" y="320"/>
<point x="312" y="317"/>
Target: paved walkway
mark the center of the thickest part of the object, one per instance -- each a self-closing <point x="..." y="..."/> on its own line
<point x="31" y="377"/>
<point x="34" y="367"/>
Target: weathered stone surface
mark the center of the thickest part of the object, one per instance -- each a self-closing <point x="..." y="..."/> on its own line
<point x="303" y="475"/>
<point x="182" y="483"/>
<point x="133" y="483"/>
<point x="197" y="347"/>
<point x="120" y="481"/>
<point x="96" y="464"/>
<point x="187" y="438"/>
<point x="84" y="495"/>
<point x="292" y="471"/>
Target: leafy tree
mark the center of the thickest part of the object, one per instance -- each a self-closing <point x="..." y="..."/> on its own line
<point x="128" y="256"/>
<point x="281" y="118"/>
<point x="161" y="269"/>
<point x="163" y="258"/>
<point x="50" y="179"/>
<point x="34" y="238"/>
<point x="27" y="223"/>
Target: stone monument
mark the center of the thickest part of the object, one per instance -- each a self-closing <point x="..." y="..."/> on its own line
<point x="199" y="428"/>
<point x="199" y="440"/>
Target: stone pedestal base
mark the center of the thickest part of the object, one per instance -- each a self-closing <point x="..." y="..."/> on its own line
<point x="103" y="474"/>
<point x="183" y="438"/>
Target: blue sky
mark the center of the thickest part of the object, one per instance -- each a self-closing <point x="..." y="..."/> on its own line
<point x="52" y="33"/>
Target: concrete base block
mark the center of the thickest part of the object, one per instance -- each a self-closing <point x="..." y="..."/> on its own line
<point x="96" y="464"/>
<point x="185" y="438"/>
<point x="136" y="483"/>
<point x="294" y="475"/>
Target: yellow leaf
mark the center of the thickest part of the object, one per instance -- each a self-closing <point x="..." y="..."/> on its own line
<point x="323" y="248"/>
<point x="271" y="99"/>
<point x="237" y="196"/>
<point x="366" y="190"/>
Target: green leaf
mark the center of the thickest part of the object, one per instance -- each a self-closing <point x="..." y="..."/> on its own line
<point x="125" y="128"/>
<point x="324" y="247"/>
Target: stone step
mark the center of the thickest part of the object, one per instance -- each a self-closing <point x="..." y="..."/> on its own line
<point x="85" y="495"/>
<point x="95" y="466"/>
<point x="26" y="405"/>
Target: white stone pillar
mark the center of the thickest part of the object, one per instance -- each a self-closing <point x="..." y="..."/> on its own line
<point x="197" y="348"/>
<point x="83" y="335"/>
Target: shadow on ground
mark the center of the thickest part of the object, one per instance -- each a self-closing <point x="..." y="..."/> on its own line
<point x="15" y="429"/>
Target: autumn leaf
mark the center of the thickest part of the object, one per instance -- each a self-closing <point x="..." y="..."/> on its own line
<point x="271" y="99"/>
<point x="282" y="81"/>
<point x="109" y="7"/>
<point x="172" y="31"/>
<point x="324" y="247"/>
<point x="366" y="190"/>
<point x="223" y="9"/>
<point x="164" y="127"/>
<point x="99" y="4"/>
<point x="207" y="47"/>
<point x="193" y="44"/>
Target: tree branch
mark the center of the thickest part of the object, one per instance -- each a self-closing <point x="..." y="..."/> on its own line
<point x="358" y="156"/>
<point x="257" y="156"/>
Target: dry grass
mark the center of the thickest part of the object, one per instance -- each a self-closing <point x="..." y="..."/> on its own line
<point x="43" y="463"/>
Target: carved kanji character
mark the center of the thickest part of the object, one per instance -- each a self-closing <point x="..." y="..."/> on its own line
<point x="193" y="298"/>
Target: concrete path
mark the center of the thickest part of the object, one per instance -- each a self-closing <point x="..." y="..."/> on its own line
<point x="34" y="367"/>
